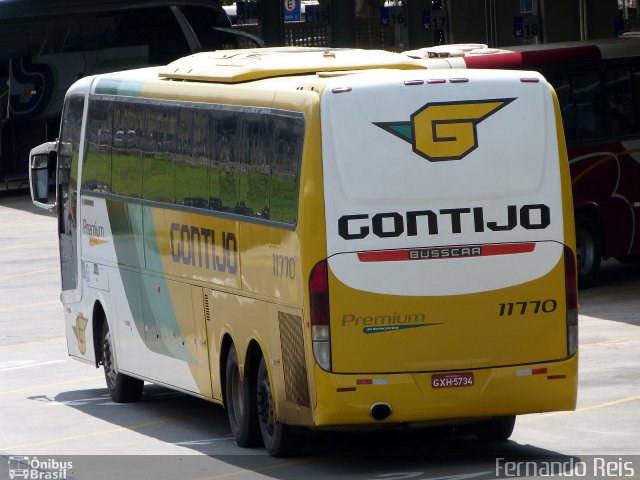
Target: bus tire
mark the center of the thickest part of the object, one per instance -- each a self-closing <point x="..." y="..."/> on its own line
<point x="279" y="439"/>
<point x="122" y="388"/>
<point x="240" y="402"/>
<point x="495" y="430"/>
<point x="588" y="250"/>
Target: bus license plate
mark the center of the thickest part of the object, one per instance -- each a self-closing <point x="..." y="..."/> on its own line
<point x="452" y="380"/>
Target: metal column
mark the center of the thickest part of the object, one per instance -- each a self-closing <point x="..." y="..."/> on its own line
<point x="342" y="15"/>
<point x="271" y="22"/>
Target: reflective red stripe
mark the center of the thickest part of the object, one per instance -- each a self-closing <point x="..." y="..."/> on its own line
<point x="485" y="251"/>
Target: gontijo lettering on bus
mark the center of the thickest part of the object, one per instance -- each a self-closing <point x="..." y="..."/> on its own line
<point x="191" y="244"/>
<point x="395" y="224"/>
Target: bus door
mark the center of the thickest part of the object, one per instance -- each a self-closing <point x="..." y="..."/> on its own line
<point x="67" y="190"/>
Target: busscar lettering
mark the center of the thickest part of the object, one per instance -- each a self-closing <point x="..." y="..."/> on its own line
<point x="431" y="222"/>
<point x="445" y="252"/>
<point x="204" y="248"/>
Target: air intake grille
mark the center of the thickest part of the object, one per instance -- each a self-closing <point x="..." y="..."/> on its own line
<point x="207" y="308"/>
<point x="293" y="361"/>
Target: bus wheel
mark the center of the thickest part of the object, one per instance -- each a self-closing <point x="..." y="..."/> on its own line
<point x="122" y="388"/>
<point x="240" y="403"/>
<point x="495" y="430"/>
<point x="280" y="440"/>
<point x="588" y="249"/>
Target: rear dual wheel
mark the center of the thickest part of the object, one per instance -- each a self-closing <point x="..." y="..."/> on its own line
<point x="250" y="407"/>
<point x="279" y="439"/>
<point x="241" y="403"/>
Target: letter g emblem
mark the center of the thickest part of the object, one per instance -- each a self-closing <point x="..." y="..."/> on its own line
<point x="445" y="130"/>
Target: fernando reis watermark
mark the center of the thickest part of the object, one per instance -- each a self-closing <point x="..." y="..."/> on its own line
<point x="571" y="467"/>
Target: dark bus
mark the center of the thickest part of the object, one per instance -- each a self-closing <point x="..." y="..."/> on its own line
<point x="45" y="46"/>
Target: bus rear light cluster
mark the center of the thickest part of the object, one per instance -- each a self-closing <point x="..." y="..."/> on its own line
<point x="319" y="302"/>
<point x="571" y="292"/>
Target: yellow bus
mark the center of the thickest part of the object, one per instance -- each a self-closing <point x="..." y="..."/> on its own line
<point x="319" y="238"/>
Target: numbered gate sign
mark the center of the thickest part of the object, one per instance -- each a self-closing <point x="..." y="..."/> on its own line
<point x="426" y="19"/>
<point x="517" y="27"/>
<point x="291" y="10"/>
<point x="393" y="15"/>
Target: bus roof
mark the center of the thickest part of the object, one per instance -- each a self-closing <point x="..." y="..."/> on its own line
<point x="255" y="64"/>
<point x="12" y="9"/>
<point x="480" y="56"/>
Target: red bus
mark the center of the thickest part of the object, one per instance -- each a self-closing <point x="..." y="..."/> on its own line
<point x="598" y="86"/>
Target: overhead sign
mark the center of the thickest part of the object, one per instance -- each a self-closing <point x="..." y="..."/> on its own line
<point x="394" y="15"/>
<point x="292" y="10"/>
<point x="526" y="27"/>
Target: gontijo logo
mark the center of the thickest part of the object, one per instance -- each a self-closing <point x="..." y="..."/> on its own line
<point x="441" y="131"/>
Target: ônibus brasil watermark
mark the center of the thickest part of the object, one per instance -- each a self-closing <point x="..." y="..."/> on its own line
<point x="33" y="468"/>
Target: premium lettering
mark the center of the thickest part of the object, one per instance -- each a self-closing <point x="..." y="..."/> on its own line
<point x="391" y="319"/>
<point x="92" y="229"/>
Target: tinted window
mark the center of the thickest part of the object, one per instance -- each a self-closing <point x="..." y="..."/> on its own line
<point x="225" y="144"/>
<point x="191" y="179"/>
<point x="202" y="20"/>
<point x="158" y="153"/>
<point x="581" y="98"/>
<point x="588" y="104"/>
<point x="238" y="160"/>
<point x="287" y="151"/>
<point x="126" y="160"/>
<point x="97" y="167"/>
<point x="620" y="105"/>
<point x="256" y="156"/>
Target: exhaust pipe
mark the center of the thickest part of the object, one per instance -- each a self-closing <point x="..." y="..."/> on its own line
<point x="380" y="411"/>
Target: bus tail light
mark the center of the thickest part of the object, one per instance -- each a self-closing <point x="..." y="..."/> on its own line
<point x="319" y="302"/>
<point x="571" y="292"/>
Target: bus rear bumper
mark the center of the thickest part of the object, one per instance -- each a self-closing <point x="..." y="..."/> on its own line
<point x="423" y="397"/>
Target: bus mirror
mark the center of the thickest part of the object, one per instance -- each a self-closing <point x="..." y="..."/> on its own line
<point x="41" y="159"/>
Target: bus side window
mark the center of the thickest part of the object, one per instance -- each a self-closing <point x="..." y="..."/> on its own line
<point x="587" y="92"/>
<point x="562" y="87"/>
<point x="158" y="142"/>
<point x="97" y="167"/>
<point x="223" y="164"/>
<point x="286" y="155"/>
<point x="126" y="167"/>
<point x="255" y="165"/>
<point x="635" y="86"/>
<point x="192" y="174"/>
<point x="622" y="114"/>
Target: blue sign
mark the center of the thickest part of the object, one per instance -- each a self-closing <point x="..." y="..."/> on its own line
<point x="426" y="19"/>
<point x="292" y="10"/>
<point x="384" y="15"/>
<point x="518" y="27"/>
<point x="393" y="15"/>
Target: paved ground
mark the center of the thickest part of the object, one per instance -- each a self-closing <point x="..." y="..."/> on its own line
<point x="56" y="409"/>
